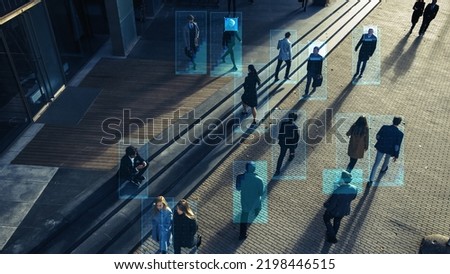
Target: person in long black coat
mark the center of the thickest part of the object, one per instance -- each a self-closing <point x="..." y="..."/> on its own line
<point x="250" y="97"/>
<point x="417" y="13"/>
<point x="368" y="43"/>
<point x="288" y="138"/>
<point x="184" y="227"/>
<point x="428" y="15"/>
<point x="313" y="68"/>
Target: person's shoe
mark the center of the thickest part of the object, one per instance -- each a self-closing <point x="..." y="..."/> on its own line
<point x="163" y="252"/>
<point x="291" y="157"/>
<point x="360" y="76"/>
<point x="355" y="75"/>
<point x="277" y="173"/>
<point x="234" y="68"/>
<point x="332" y="240"/>
<point x="276" y="80"/>
<point x="254" y="121"/>
<point x="243" y="237"/>
<point x="287" y="78"/>
<point x="384" y="170"/>
<point x="369" y="183"/>
<point x="158" y="251"/>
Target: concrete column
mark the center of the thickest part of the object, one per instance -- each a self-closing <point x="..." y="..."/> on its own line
<point x="122" y="25"/>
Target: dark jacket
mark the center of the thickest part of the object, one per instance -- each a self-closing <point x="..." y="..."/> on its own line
<point x="368" y="46"/>
<point x="315" y="62"/>
<point x="184" y="230"/>
<point x="429" y="14"/>
<point x="251" y="187"/>
<point x="389" y="140"/>
<point x="229" y="38"/>
<point x="418" y="11"/>
<point x="127" y="170"/>
<point x="338" y="205"/>
<point x="288" y="134"/>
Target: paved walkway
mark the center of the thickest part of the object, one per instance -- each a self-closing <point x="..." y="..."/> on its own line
<point x="412" y="199"/>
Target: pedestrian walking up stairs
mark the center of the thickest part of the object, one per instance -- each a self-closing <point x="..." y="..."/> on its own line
<point x="108" y="218"/>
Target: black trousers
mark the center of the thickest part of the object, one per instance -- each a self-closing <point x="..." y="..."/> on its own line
<point x="288" y="68"/>
<point x="245" y="221"/>
<point x="358" y="66"/>
<point x="424" y="26"/>
<point x="351" y="164"/>
<point x="232" y="2"/>
<point x="283" y="154"/>
<point x="332" y="229"/>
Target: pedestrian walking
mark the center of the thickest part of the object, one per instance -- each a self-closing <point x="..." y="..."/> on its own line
<point x="338" y="206"/>
<point x="251" y="187"/>
<point x="250" y="97"/>
<point x="161" y="224"/>
<point x="389" y="140"/>
<point x="428" y="15"/>
<point x="191" y="34"/>
<point x="185" y="228"/>
<point x="418" y="8"/>
<point x="132" y="167"/>
<point x="288" y="137"/>
<point x="359" y="141"/>
<point x="314" y="70"/>
<point x="285" y="54"/>
<point x="228" y="42"/>
<point x="368" y="43"/>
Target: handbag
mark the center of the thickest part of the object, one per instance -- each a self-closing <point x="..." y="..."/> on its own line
<point x="317" y="82"/>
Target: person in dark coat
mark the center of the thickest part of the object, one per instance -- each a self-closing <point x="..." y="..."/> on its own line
<point x="252" y="189"/>
<point x="314" y="68"/>
<point x="417" y="13"/>
<point x="250" y="97"/>
<point x="368" y="43"/>
<point x="359" y="141"/>
<point x="338" y="206"/>
<point x="184" y="227"/>
<point x="288" y="138"/>
<point x="191" y="34"/>
<point x="229" y="41"/>
<point x="428" y="15"/>
<point x="132" y="167"/>
<point x="389" y="140"/>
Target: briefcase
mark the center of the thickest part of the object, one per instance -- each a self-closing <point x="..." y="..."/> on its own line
<point x="317" y="82"/>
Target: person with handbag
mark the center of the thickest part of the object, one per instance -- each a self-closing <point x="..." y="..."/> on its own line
<point x="185" y="228"/>
<point x="314" y="70"/>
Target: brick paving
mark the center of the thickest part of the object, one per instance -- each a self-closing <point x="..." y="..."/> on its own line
<point x="386" y="219"/>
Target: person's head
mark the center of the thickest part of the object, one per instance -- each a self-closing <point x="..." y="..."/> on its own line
<point x="433" y="2"/>
<point x="370" y="31"/>
<point x="346" y="177"/>
<point x="396" y="121"/>
<point x="252" y="69"/>
<point x="360" y="126"/>
<point x="190" y="18"/>
<point x="292" y="116"/>
<point x="287" y="35"/>
<point x="250" y="167"/>
<point x="160" y="203"/>
<point x="316" y="50"/>
<point x="183" y="207"/>
<point x="131" y="151"/>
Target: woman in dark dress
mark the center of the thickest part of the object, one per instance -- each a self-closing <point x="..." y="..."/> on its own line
<point x="184" y="228"/>
<point x="250" y="97"/>
<point x="418" y="8"/>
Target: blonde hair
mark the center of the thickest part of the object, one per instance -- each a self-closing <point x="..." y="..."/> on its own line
<point x="159" y="199"/>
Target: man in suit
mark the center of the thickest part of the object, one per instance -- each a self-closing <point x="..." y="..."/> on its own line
<point x="251" y="187"/>
<point x="428" y="15"/>
<point x="339" y="206"/>
<point x="288" y="138"/>
<point x="368" y="43"/>
<point x="389" y="140"/>
<point x="314" y="69"/>
<point x="285" y="54"/>
<point x="191" y="34"/>
<point x="132" y="167"/>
